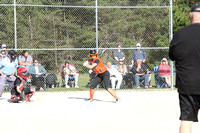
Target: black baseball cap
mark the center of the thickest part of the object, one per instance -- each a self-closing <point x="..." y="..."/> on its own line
<point x="195" y="7"/>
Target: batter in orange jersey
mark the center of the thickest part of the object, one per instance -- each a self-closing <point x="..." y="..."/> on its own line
<point x="102" y="75"/>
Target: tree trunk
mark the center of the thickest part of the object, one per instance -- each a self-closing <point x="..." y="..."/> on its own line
<point x="31" y="31"/>
<point x="55" y="44"/>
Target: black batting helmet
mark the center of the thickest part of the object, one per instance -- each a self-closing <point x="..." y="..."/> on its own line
<point x="92" y="52"/>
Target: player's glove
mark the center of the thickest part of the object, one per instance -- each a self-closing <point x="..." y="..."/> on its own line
<point x="85" y="63"/>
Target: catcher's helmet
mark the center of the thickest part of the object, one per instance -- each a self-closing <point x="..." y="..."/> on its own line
<point x="22" y="72"/>
<point x="92" y="52"/>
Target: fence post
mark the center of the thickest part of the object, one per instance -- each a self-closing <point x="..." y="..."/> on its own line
<point x="15" y="25"/>
<point x="171" y="36"/>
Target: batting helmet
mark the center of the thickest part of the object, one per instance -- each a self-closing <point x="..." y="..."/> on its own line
<point x="92" y="52"/>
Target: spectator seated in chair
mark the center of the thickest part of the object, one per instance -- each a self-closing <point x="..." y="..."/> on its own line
<point x="37" y="71"/>
<point x="115" y="75"/>
<point x="164" y="71"/>
<point x="140" y="72"/>
<point x="70" y="72"/>
<point x="123" y="70"/>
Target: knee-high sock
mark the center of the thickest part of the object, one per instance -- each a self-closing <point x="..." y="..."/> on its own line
<point x="112" y="92"/>
<point x="91" y="93"/>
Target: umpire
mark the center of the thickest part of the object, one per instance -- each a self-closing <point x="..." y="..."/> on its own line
<point x="185" y="51"/>
<point x="8" y="68"/>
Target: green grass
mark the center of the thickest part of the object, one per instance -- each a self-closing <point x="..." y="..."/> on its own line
<point x="82" y="82"/>
<point x="84" y="79"/>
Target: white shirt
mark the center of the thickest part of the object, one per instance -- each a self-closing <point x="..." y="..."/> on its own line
<point x="114" y="71"/>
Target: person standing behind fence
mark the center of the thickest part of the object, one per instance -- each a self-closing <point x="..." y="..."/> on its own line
<point x="138" y="53"/>
<point x="8" y="69"/>
<point x="118" y="55"/>
<point x="185" y="51"/>
<point x="25" y="59"/>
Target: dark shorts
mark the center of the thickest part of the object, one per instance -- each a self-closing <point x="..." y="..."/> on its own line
<point x="189" y="106"/>
<point x="104" y="77"/>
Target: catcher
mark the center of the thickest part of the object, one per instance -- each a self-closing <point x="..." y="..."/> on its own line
<point x="21" y="90"/>
<point x="102" y="75"/>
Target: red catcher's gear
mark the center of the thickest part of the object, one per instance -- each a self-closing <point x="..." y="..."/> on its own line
<point x="92" y="52"/>
<point x="22" y="71"/>
<point x="100" y="68"/>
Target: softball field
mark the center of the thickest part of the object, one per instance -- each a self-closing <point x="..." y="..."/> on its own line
<point x="149" y="111"/>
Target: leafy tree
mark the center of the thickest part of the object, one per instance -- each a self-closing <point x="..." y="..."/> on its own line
<point x="67" y="27"/>
<point x="181" y="9"/>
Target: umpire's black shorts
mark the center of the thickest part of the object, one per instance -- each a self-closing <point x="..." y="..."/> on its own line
<point x="189" y="106"/>
<point x="104" y="77"/>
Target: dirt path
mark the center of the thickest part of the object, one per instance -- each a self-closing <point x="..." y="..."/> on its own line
<point x="70" y="112"/>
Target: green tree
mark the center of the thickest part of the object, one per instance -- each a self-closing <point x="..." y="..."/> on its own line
<point x="181" y="10"/>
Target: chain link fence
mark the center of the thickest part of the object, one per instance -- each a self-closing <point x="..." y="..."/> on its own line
<point x="59" y="30"/>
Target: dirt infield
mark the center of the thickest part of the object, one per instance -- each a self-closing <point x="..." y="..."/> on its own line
<point x="70" y="112"/>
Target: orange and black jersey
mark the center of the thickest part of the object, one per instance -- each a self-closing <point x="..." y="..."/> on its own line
<point x="100" y="67"/>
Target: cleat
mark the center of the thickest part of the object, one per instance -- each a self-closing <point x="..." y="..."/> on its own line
<point x="15" y="100"/>
<point x="90" y="100"/>
<point x="117" y="100"/>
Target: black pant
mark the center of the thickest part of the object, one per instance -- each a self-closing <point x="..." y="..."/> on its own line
<point x="103" y="77"/>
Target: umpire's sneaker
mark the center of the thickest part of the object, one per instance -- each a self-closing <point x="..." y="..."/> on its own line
<point x="117" y="100"/>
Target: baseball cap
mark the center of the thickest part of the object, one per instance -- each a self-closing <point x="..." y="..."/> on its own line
<point x="164" y="59"/>
<point x="3" y="45"/>
<point x="138" y="45"/>
<point x="195" y="7"/>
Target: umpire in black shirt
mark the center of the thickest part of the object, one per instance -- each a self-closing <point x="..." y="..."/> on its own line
<point x="185" y="51"/>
